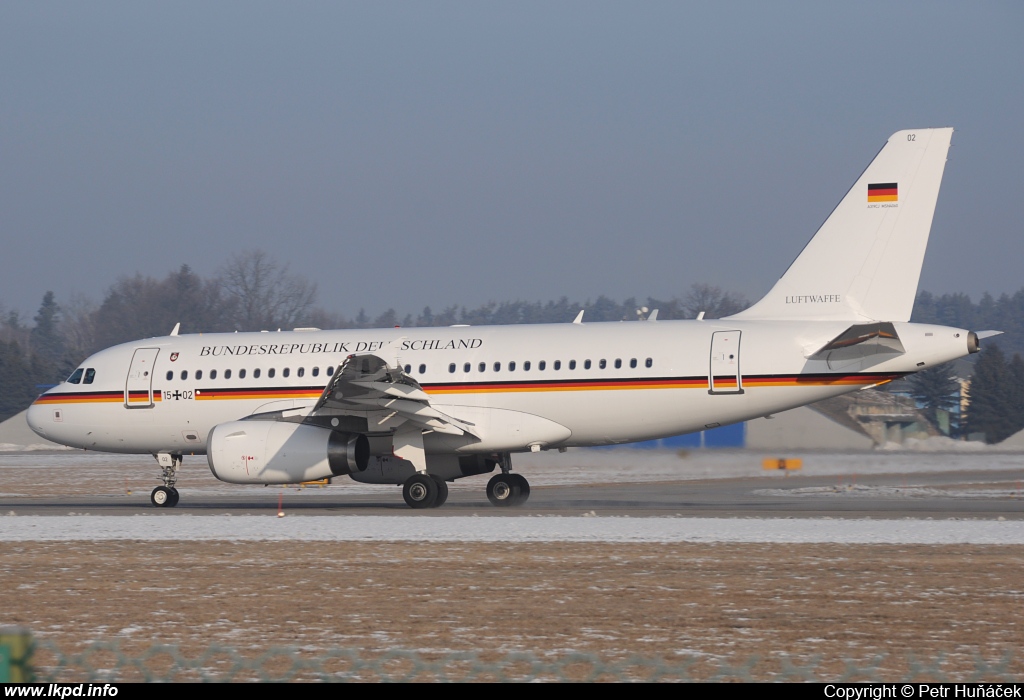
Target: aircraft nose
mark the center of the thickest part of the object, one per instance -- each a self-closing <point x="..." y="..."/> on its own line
<point x="38" y="417"/>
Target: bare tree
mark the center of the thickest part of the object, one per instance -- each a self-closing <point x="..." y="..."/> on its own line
<point x="79" y="327"/>
<point x="265" y="294"/>
<point x="712" y="301"/>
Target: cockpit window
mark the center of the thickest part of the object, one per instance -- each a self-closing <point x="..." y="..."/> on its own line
<point x="90" y="375"/>
<point x="76" y="376"/>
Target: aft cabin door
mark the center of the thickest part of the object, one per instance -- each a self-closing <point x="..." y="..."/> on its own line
<point x="138" y="390"/>
<point x="724" y="375"/>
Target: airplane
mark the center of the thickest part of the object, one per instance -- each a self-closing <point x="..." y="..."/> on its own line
<point x="422" y="407"/>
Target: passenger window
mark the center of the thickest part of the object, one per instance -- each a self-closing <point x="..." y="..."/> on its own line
<point x="512" y="366"/>
<point x="199" y="374"/>
<point x="302" y="371"/>
<point x="316" y="371"/>
<point x="542" y="365"/>
<point x="618" y="363"/>
<point x="423" y="369"/>
<point x="227" y="374"/>
<point x="572" y="364"/>
<point x="256" y="374"/>
<point x="285" y="372"/>
<point x="558" y="364"/>
<point x="586" y="364"/>
<point x="330" y="371"/>
<point x="466" y="367"/>
<point x="271" y="372"/>
<point x="408" y="369"/>
<point x="482" y="367"/>
<point x="648" y="362"/>
<point x="241" y="374"/>
<point x="602" y="364"/>
<point x="184" y="374"/>
<point x="90" y="374"/>
<point x="497" y="366"/>
<point x="76" y="376"/>
<point x="526" y="366"/>
<point x="451" y="368"/>
<point x="213" y="374"/>
<point x="170" y="375"/>
<point x="632" y="363"/>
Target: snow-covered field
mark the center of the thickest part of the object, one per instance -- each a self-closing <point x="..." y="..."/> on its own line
<point x="372" y="528"/>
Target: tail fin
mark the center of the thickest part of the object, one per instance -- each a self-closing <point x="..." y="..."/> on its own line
<point x="864" y="262"/>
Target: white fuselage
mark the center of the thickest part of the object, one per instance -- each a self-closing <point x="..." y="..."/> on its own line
<point x="572" y="385"/>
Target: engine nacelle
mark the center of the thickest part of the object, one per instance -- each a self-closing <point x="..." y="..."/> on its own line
<point x="278" y="452"/>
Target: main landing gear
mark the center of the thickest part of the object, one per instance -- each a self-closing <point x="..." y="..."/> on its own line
<point x="425" y="491"/>
<point x="506" y="489"/>
<point x="166" y="496"/>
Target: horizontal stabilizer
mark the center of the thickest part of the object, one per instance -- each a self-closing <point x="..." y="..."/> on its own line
<point x="987" y="334"/>
<point x="861" y="341"/>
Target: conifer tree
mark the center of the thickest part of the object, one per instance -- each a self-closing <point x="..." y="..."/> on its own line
<point x="991" y="406"/>
<point x="936" y="389"/>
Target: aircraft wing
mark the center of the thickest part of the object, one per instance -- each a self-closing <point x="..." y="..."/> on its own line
<point x="365" y="383"/>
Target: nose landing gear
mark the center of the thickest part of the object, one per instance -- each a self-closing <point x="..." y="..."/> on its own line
<point x="166" y="496"/>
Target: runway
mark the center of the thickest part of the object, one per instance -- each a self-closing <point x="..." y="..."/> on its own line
<point x="615" y="483"/>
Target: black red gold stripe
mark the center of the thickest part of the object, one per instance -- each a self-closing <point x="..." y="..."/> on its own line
<point x="631" y="384"/>
<point x="96" y="397"/>
<point x="284" y="392"/>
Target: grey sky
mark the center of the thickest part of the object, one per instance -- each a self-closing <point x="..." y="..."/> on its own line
<point x="405" y="154"/>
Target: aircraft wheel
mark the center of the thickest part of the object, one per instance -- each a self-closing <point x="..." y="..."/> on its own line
<point x="420" y="491"/>
<point x="503" y="490"/>
<point x="174" y="497"/>
<point x="524" y="489"/>
<point x="162" y="497"/>
<point x="442" y="491"/>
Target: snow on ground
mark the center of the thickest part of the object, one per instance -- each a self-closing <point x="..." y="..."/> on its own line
<point x="374" y="528"/>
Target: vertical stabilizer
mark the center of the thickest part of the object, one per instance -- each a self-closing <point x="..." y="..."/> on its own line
<point x="864" y="262"/>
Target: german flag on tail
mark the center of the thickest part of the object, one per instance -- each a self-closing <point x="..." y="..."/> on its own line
<point x="883" y="192"/>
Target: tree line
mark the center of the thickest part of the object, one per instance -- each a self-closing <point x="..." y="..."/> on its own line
<point x="254" y="292"/>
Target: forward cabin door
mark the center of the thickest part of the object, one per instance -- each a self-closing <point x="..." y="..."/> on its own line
<point x="724" y="375"/>
<point x="138" y="389"/>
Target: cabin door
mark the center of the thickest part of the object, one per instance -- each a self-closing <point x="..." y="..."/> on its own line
<point x="138" y="389"/>
<point x="724" y="375"/>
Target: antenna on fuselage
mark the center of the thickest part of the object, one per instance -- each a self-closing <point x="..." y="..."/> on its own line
<point x="174" y="332"/>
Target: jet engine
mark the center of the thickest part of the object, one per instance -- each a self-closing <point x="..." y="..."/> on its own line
<point x="278" y="452"/>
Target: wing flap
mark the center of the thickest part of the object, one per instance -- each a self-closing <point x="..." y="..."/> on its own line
<point x="367" y="383"/>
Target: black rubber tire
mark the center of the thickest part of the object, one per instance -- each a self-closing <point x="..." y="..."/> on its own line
<point x="524" y="489"/>
<point x="174" y="497"/>
<point x="503" y="490"/>
<point x="442" y="491"/>
<point x="162" y="497"/>
<point x="419" y="491"/>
